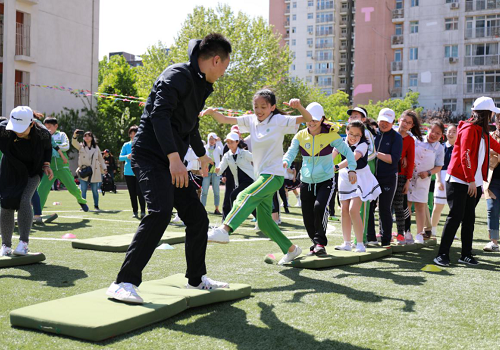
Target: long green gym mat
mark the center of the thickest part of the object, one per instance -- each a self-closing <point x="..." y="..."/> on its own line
<point x="93" y="316"/>
<point x="339" y="257"/>
<point x="120" y="243"/>
<point x="31" y="258"/>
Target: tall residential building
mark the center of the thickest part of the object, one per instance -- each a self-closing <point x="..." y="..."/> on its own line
<point x="320" y="34"/>
<point x="447" y="50"/>
<point x="132" y="60"/>
<point x="51" y="43"/>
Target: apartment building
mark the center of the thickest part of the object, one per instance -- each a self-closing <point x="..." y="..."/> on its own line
<point x="320" y="34"/>
<point x="447" y="50"/>
<point x="51" y="43"/>
<point x="132" y="60"/>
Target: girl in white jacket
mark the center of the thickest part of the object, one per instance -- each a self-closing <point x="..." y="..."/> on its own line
<point x="214" y="150"/>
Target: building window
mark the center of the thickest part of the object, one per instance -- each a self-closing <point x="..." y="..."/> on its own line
<point x="450" y="78"/>
<point x="309" y="79"/>
<point x="310" y="29"/>
<point x="482" y="54"/>
<point x="294" y="29"/>
<point x="450" y="104"/>
<point x="399" y="4"/>
<point x="399" y="29"/>
<point x="397" y="81"/>
<point x="294" y="17"/>
<point x="451" y="23"/>
<point x="310" y="16"/>
<point x="483" y="82"/>
<point x="413" y="53"/>
<point x="451" y="51"/>
<point x="309" y="66"/>
<point x="293" y="67"/>
<point x="309" y="42"/>
<point x="294" y="5"/>
<point x="413" y="78"/>
<point x="397" y="56"/>
<point x="414" y="3"/>
<point x="294" y="42"/>
<point x="309" y="53"/>
<point x="414" y="27"/>
<point x="310" y="3"/>
<point x="323" y="17"/>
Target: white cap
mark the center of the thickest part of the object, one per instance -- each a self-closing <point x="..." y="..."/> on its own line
<point x="232" y="136"/>
<point x="485" y="104"/>
<point x="212" y="134"/>
<point x="20" y="118"/>
<point x="316" y="111"/>
<point x="358" y="109"/>
<point x="386" y="115"/>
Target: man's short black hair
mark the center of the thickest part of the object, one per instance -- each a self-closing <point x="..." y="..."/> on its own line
<point x="50" y="120"/>
<point x="215" y="44"/>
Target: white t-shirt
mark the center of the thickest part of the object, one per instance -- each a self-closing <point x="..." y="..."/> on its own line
<point x="478" y="177"/>
<point x="266" y="138"/>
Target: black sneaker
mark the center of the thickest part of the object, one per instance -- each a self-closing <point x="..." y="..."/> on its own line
<point x="286" y="210"/>
<point x="469" y="260"/>
<point x="85" y="207"/>
<point x="319" y="250"/>
<point x="51" y="218"/>
<point x="442" y="260"/>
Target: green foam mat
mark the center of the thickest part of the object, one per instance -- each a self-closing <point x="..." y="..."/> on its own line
<point x="404" y="248"/>
<point x="14" y="260"/>
<point x="120" y="243"/>
<point x="374" y="253"/>
<point x="93" y="316"/>
<point x="333" y="258"/>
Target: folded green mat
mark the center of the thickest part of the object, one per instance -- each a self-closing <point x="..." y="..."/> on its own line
<point x="31" y="258"/>
<point x="120" y="243"/>
<point x="333" y="258"/>
<point x="93" y="316"/>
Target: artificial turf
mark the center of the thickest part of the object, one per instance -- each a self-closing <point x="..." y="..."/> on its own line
<point x="383" y="304"/>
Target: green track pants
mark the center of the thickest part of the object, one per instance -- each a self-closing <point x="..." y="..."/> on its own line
<point x="259" y="195"/>
<point x="65" y="176"/>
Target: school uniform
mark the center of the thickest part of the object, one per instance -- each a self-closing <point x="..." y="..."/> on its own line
<point x="440" y="195"/>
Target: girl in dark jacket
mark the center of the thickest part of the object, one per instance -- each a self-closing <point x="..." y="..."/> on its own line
<point x="27" y="150"/>
<point x="467" y="170"/>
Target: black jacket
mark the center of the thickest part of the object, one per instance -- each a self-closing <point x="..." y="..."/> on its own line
<point x="13" y="172"/>
<point x="389" y="142"/>
<point x="170" y="120"/>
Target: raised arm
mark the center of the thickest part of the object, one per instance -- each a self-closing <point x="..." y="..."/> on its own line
<point x="295" y="103"/>
<point x="221" y="118"/>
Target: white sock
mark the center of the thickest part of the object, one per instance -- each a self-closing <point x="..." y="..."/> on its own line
<point x="347" y="242"/>
<point x="360" y="245"/>
<point x="434" y="230"/>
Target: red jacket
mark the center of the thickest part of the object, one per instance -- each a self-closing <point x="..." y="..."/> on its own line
<point x="464" y="159"/>
<point x="409" y="153"/>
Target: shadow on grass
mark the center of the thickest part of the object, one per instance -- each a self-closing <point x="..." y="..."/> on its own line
<point x="61" y="226"/>
<point x="53" y="275"/>
<point x="307" y="284"/>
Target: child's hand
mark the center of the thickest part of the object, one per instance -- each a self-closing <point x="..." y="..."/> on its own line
<point x="441" y="186"/>
<point x="353" y="177"/>
<point x="208" y="111"/>
<point x="285" y="165"/>
<point x="294" y="103"/>
<point x="65" y="160"/>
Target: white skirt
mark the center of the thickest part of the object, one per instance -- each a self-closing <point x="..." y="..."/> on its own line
<point x="367" y="187"/>
<point x="418" y="191"/>
<point x="440" y="196"/>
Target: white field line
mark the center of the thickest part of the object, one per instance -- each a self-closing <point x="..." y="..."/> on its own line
<point x="98" y="219"/>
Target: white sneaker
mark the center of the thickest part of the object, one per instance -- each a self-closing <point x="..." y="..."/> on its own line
<point x="409" y="238"/>
<point x="22" y="249"/>
<point x="419" y="238"/>
<point x="490" y="247"/>
<point x="344" y="246"/>
<point x="125" y="292"/>
<point x="299" y="203"/>
<point x="218" y="235"/>
<point x="177" y="220"/>
<point x="360" y="248"/>
<point x="373" y="243"/>
<point x="290" y="255"/>
<point x="5" y="251"/>
<point x="208" y="284"/>
<point x="256" y="227"/>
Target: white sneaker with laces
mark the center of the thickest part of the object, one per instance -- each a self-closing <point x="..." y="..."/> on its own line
<point x="344" y="246"/>
<point x="419" y="238"/>
<point x="125" y="292"/>
<point x="208" y="284"/>
<point x="409" y="238"/>
<point x="360" y="248"/>
<point x="491" y="247"/>
<point x="22" y="249"/>
<point x="290" y="255"/>
<point x="5" y="251"/>
<point x="218" y="235"/>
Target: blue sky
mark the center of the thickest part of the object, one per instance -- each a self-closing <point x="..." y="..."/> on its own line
<point x="126" y="26"/>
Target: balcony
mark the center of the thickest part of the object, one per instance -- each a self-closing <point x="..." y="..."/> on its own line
<point x="343" y="22"/>
<point x="397" y="40"/>
<point x="324" y="20"/>
<point x="398" y="15"/>
<point x="286" y="36"/>
<point x="324" y="71"/>
<point x="287" y="11"/>
<point x="342" y="86"/>
<point x="396" y="66"/>
<point x="481" y="88"/>
<point x="323" y="57"/>
<point x="30" y="2"/>
<point x="324" y="46"/>
<point x="482" y="60"/>
<point x="23" y="40"/>
<point x="343" y="60"/>
<point x="396" y="92"/>
<point x="344" y="35"/>
<point x="286" y="24"/>
<point x="342" y="72"/>
<point x="324" y="6"/>
<point x="488" y="32"/>
<point x="22" y="95"/>
<point x="324" y="84"/>
<point x="480" y="5"/>
<point x="324" y="32"/>
<point x="343" y="47"/>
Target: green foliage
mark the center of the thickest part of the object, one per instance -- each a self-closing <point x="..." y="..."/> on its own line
<point x="154" y="61"/>
<point x="397" y="105"/>
<point x="114" y="116"/>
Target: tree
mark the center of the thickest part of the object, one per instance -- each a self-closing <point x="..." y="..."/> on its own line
<point x="410" y="101"/>
<point x="115" y="116"/>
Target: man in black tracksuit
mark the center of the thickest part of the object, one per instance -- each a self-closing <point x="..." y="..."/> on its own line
<point x="168" y="126"/>
<point x="389" y="146"/>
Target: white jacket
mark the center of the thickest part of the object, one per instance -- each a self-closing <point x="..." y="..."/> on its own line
<point x="218" y="152"/>
<point x="243" y="161"/>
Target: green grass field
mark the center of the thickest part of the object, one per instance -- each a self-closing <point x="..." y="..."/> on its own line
<point x="384" y="304"/>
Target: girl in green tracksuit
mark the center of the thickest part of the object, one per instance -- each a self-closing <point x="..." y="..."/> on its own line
<point x="267" y="128"/>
